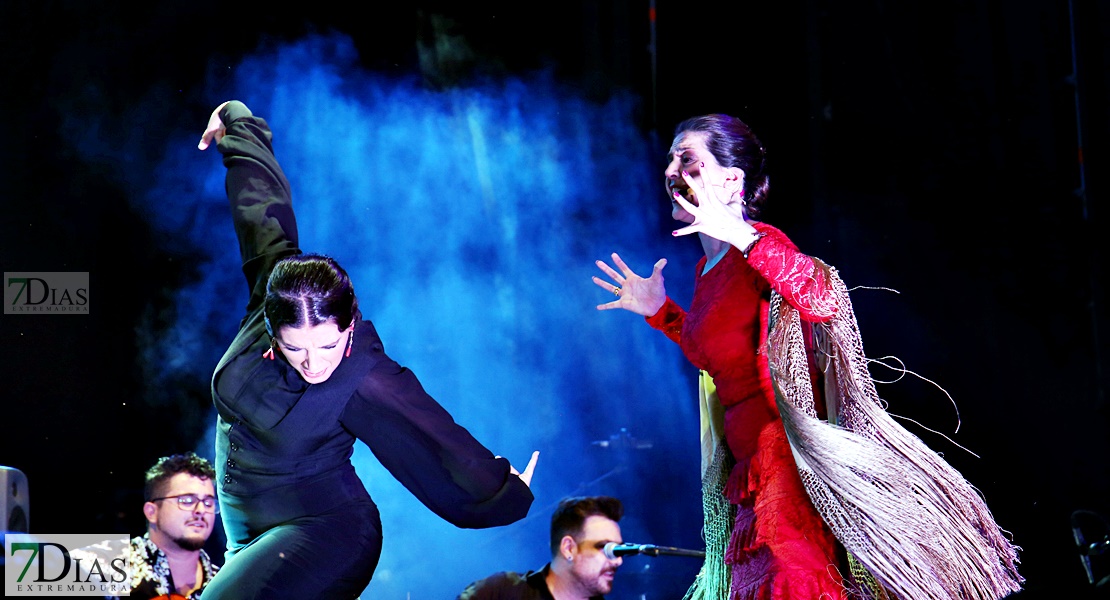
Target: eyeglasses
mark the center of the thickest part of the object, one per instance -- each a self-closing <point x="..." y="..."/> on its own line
<point x="189" y="502"/>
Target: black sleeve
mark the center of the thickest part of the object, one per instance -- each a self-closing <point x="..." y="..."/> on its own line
<point x="260" y="198"/>
<point x="435" y="458"/>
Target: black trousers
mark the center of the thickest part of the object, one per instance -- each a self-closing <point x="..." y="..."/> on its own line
<point x="328" y="555"/>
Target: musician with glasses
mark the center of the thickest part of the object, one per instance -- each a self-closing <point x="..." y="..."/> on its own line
<point x="181" y="507"/>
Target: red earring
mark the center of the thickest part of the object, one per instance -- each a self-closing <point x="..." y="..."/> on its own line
<point x="269" y="353"/>
<point x="350" y="341"/>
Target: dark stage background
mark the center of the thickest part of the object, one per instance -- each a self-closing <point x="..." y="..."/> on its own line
<point x="469" y="164"/>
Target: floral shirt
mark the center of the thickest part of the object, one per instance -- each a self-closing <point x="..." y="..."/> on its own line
<point x="150" y="570"/>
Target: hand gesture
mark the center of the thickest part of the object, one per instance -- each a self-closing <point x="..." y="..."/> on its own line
<point x="215" y="130"/>
<point x="526" y="476"/>
<point x="634" y="293"/>
<point x="720" y="211"/>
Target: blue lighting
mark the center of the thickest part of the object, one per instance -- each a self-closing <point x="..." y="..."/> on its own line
<point x="469" y="220"/>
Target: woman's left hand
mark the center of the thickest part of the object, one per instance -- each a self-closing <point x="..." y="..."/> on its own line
<point x="526" y="476"/>
<point x="720" y="211"/>
<point x="215" y="130"/>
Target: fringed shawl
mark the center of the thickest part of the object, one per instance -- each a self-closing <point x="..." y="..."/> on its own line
<point x="714" y="580"/>
<point x="899" y="509"/>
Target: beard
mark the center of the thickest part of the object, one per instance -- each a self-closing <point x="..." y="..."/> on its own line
<point x="604" y="586"/>
<point x="191" y="544"/>
<point x="600" y="586"/>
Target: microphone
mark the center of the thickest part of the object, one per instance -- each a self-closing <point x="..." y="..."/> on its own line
<point x="1099" y="547"/>
<point x="613" y="550"/>
<point x="1082" y="520"/>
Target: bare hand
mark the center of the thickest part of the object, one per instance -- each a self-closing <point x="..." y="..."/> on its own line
<point x="720" y="211"/>
<point x="526" y="476"/>
<point x="641" y="296"/>
<point x="215" y="130"/>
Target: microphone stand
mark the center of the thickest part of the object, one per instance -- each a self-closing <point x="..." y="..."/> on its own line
<point x="651" y="550"/>
<point x="614" y="550"/>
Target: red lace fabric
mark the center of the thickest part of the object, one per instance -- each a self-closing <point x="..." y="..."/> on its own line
<point x="780" y="548"/>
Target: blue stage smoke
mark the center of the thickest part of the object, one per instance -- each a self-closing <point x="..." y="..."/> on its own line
<point x="469" y="220"/>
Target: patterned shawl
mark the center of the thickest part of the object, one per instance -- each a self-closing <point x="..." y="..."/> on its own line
<point x="913" y="526"/>
<point x="917" y="526"/>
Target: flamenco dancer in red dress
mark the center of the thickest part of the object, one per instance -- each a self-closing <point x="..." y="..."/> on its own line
<point x="819" y="494"/>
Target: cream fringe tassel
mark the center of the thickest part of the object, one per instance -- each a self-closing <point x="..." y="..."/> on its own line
<point x="904" y="513"/>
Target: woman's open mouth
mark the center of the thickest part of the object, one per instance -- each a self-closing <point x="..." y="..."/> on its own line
<point x="686" y="191"/>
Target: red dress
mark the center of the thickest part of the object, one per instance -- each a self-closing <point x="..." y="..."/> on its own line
<point x="780" y="548"/>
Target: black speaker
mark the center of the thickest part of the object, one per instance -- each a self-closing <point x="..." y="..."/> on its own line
<point x="15" y="502"/>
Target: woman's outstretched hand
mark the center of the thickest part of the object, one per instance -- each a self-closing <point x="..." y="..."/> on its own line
<point x="634" y="293"/>
<point x="720" y="211"/>
<point x="215" y="130"/>
<point x="526" y="476"/>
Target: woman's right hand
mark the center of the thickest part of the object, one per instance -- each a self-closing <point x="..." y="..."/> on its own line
<point x="526" y="476"/>
<point x="634" y="293"/>
<point x="215" y="130"/>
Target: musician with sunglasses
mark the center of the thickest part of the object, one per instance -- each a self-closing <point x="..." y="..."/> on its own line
<point x="181" y="507"/>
